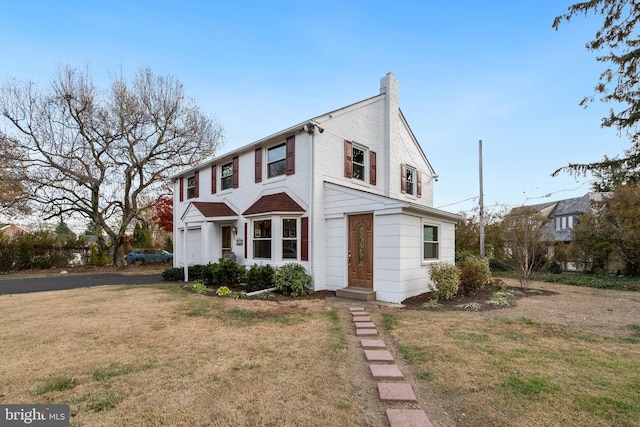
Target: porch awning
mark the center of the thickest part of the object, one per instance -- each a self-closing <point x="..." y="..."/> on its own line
<point x="208" y="211"/>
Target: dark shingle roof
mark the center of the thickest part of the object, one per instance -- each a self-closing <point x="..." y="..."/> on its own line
<point x="280" y="202"/>
<point x="213" y="209"/>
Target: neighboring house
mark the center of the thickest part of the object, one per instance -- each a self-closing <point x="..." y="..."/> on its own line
<point x="347" y="194"/>
<point x="10" y="230"/>
<point x="561" y="216"/>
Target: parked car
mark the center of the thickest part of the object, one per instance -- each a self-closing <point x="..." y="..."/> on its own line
<point x="148" y="256"/>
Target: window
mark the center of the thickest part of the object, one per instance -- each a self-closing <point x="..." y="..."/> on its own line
<point x="410" y="175"/>
<point x="355" y="162"/>
<point x="276" y="160"/>
<point x="289" y="238"/>
<point x="262" y="239"/>
<point x="358" y="167"/>
<point x="191" y="187"/>
<point x="430" y="242"/>
<point x="226" y="177"/>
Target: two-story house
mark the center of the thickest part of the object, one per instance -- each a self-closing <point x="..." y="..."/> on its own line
<point x="347" y="194"/>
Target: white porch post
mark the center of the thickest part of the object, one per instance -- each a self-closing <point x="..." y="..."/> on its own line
<point x="185" y="252"/>
<point x="206" y="237"/>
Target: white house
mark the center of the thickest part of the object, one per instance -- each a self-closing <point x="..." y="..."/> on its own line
<point x="347" y="194"/>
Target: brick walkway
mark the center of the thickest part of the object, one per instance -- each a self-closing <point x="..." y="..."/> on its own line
<point x="391" y="387"/>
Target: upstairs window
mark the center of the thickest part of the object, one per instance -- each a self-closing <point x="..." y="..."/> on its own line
<point x="355" y="163"/>
<point x="191" y="187"/>
<point x="358" y="163"/>
<point x="276" y="161"/>
<point x="410" y="174"/>
<point x="226" y="176"/>
<point x="410" y="180"/>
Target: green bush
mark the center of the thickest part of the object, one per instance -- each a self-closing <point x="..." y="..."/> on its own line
<point x="173" y="274"/>
<point x="497" y="265"/>
<point x="292" y="279"/>
<point x="446" y="278"/>
<point x="98" y="256"/>
<point x="225" y="272"/>
<point x="223" y="291"/>
<point x="259" y="277"/>
<point x="464" y="255"/>
<point x="554" y="268"/>
<point x="474" y="275"/>
<point x="198" y="272"/>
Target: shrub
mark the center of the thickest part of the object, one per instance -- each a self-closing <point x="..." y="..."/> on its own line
<point x="292" y="279"/>
<point x="555" y="268"/>
<point x="199" y="287"/>
<point x="259" y="277"/>
<point x="225" y="272"/>
<point x="464" y="255"/>
<point x="198" y="272"/>
<point x="446" y="278"/>
<point x="173" y="274"/>
<point x="98" y="256"/>
<point x="223" y="291"/>
<point x="474" y="275"/>
<point x="497" y="265"/>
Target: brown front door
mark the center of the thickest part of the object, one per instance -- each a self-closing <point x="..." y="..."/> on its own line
<point x="361" y="251"/>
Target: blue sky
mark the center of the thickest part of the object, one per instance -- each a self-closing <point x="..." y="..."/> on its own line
<point x="467" y="70"/>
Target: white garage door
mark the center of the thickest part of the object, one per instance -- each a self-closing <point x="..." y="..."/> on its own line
<point x="194" y="247"/>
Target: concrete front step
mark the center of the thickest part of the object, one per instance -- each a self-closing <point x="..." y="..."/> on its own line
<point x="386" y="372"/>
<point x="396" y="392"/>
<point x="407" y="417"/>
<point x="362" y="294"/>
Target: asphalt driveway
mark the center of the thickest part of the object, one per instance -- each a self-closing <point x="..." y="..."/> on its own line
<point x="20" y="286"/>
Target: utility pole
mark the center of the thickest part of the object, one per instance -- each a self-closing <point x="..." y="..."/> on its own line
<point x="481" y="205"/>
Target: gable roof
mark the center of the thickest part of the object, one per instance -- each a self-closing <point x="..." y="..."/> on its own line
<point x="279" y="202"/>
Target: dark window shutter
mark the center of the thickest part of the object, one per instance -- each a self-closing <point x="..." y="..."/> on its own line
<point x="235" y="172"/>
<point x="246" y="240"/>
<point x="258" y="165"/>
<point x="348" y="159"/>
<point x="291" y="156"/>
<point x="372" y="167"/>
<point x="403" y="178"/>
<point x="181" y="189"/>
<point x="304" y="239"/>
<point x="196" y="184"/>
<point x="214" y="187"/>
<point x="419" y="183"/>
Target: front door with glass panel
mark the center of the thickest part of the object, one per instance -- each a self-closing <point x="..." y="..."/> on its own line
<point x="360" y="255"/>
<point x="226" y="240"/>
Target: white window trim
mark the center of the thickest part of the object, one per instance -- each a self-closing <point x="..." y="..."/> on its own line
<point x="265" y="170"/>
<point x="413" y="186"/>
<point x="191" y="180"/>
<point x="365" y="164"/>
<point x="221" y="177"/>
<point x="422" y="242"/>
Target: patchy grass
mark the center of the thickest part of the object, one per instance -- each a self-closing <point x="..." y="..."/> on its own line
<point x="518" y="372"/>
<point x="157" y="355"/>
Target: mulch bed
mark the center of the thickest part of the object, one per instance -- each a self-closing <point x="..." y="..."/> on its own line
<point x="413" y="303"/>
<point x="481" y="296"/>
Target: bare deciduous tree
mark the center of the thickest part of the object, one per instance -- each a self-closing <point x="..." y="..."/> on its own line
<point x="96" y="153"/>
<point x="13" y="198"/>
<point x="525" y="240"/>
